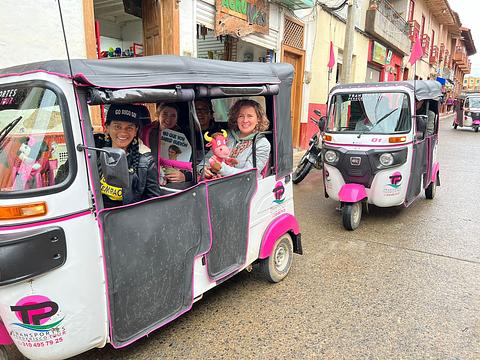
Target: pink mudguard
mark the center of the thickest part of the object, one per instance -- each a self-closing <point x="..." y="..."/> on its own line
<point x="5" y="338"/>
<point x="352" y="193"/>
<point x="281" y="225"/>
<point x="436" y="169"/>
<point x="476" y="122"/>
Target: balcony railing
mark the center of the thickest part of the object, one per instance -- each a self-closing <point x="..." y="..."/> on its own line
<point x="413" y="30"/>
<point x="425" y="44"/>
<point x="434" y="55"/>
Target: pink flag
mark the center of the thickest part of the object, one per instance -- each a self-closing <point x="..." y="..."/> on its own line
<point x="331" y="61"/>
<point x="417" y="51"/>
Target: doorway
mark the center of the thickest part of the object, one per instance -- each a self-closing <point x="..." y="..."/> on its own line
<point x="296" y="58"/>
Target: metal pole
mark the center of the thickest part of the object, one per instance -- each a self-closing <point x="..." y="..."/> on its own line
<point x="349" y="42"/>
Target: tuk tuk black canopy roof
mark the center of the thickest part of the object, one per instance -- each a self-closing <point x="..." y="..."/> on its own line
<point x="424" y="89"/>
<point x="160" y="70"/>
<point x="169" y="71"/>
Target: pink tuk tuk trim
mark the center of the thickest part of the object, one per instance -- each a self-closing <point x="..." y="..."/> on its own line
<point x="281" y="225"/>
<point x="5" y="338"/>
<point x="352" y="193"/>
<point x="436" y="169"/>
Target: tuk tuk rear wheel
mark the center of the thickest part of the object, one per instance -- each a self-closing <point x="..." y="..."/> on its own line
<point x="476" y="128"/>
<point x="351" y="215"/>
<point x="431" y="190"/>
<point x="276" y="267"/>
<point x="3" y="353"/>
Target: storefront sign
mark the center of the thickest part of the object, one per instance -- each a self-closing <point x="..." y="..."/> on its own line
<point x="389" y="56"/>
<point x="379" y="53"/>
<point x="241" y="17"/>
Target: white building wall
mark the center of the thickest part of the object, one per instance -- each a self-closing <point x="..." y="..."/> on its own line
<point x="30" y="30"/>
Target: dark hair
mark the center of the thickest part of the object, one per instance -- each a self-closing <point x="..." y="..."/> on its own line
<point x="263" y="122"/>
<point x="162" y="105"/>
<point x="175" y="148"/>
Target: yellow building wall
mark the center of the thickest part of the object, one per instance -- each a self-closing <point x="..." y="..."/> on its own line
<point x="329" y="28"/>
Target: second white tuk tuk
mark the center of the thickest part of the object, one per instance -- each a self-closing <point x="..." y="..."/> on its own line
<point x="380" y="145"/>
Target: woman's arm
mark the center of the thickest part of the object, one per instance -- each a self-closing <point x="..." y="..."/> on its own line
<point x="262" y="150"/>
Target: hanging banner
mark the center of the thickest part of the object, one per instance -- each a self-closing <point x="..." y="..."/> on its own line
<point x="241" y="17"/>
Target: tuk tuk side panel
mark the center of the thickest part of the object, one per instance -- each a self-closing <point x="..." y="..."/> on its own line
<point x="272" y="200"/>
<point x="229" y="202"/>
<point x="282" y="125"/>
<point x="150" y="249"/>
<point x="71" y="314"/>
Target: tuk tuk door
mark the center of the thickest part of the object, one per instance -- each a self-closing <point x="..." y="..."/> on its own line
<point x="151" y="246"/>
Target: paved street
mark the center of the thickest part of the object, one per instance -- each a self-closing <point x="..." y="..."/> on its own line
<point x="405" y="285"/>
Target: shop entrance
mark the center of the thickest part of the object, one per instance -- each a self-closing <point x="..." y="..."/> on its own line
<point x="296" y="57"/>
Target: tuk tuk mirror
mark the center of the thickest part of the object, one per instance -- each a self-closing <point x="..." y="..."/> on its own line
<point x="421" y="122"/>
<point x="115" y="167"/>
<point x="322" y="123"/>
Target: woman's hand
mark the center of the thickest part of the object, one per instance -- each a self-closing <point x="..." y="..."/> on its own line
<point x="207" y="172"/>
<point x="175" y="176"/>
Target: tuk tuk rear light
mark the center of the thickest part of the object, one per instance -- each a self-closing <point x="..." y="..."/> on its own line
<point x="386" y="159"/>
<point x="397" y="139"/>
<point x="23" y="211"/>
<point x="327" y="137"/>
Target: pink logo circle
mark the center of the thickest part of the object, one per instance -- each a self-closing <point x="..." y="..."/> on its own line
<point x="33" y="300"/>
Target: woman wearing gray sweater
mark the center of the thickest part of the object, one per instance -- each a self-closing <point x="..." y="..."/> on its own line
<point x="245" y="119"/>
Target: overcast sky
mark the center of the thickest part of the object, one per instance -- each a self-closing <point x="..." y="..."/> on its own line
<point x="468" y="10"/>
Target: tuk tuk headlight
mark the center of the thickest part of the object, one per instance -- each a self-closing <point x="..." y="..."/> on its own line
<point x="331" y="156"/>
<point x="468" y="113"/>
<point x="386" y="159"/>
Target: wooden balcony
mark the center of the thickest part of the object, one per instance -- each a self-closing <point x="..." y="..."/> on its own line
<point x="434" y="55"/>
<point x="425" y="44"/>
<point x="386" y="24"/>
<point x="441" y="53"/>
<point x="413" y="30"/>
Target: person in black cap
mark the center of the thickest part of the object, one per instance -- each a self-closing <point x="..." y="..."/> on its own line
<point x="122" y="126"/>
<point x="123" y="122"/>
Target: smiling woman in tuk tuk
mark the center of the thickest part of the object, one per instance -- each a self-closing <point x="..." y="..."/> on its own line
<point x="246" y="118"/>
<point x="122" y="125"/>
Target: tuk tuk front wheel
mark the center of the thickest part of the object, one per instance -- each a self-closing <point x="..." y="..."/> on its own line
<point x="351" y="215"/>
<point x="302" y="169"/>
<point x="431" y="190"/>
<point x="276" y="266"/>
<point x="455" y="126"/>
<point x="3" y="353"/>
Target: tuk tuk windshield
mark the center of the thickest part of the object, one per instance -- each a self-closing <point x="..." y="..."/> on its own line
<point x="32" y="141"/>
<point x="473" y="102"/>
<point x="376" y="113"/>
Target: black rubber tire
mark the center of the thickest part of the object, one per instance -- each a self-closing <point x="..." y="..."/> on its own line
<point x="431" y="190"/>
<point x="276" y="267"/>
<point x="455" y="126"/>
<point x="302" y="169"/>
<point x="3" y="353"/>
<point x="351" y="215"/>
<point x="476" y="128"/>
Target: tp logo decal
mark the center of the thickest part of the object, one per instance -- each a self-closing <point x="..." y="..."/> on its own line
<point x="34" y="312"/>
<point x="279" y="193"/>
<point x="395" y="180"/>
